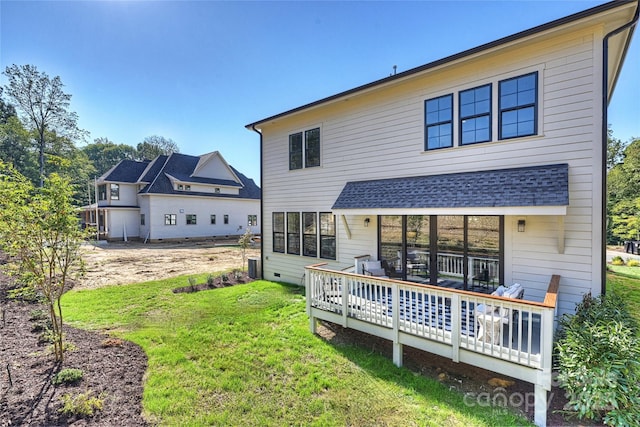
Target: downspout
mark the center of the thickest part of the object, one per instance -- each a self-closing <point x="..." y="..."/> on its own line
<point x="605" y="134"/>
<point x="253" y="127"/>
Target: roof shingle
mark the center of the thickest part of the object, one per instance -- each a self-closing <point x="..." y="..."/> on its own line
<point x="528" y="186"/>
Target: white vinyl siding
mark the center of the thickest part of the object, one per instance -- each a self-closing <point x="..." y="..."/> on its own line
<point x="380" y="134"/>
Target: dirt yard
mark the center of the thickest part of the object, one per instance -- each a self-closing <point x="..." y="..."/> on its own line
<point x="120" y="263"/>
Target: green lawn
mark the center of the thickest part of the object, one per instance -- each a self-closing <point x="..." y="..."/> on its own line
<point x="244" y="355"/>
<point x="625" y="281"/>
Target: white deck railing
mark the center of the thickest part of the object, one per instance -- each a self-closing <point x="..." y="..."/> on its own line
<point x="513" y="337"/>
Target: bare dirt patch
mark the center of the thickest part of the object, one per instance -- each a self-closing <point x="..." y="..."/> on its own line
<point x="121" y="263"/>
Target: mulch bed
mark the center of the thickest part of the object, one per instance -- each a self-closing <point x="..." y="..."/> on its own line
<point x="112" y="369"/>
<point x="234" y="278"/>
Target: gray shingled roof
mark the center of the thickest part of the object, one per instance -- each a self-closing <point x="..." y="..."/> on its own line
<point x="528" y="186"/>
<point x="126" y="171"/>
<point x="181" y="167"/>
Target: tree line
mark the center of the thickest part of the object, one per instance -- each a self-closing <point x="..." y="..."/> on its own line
<point x="623" y="190"/>
<point x="40" y="135"/>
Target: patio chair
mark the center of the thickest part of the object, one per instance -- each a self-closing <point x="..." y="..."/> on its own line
<point x="490" y="317"/>
<point x="373" y="268"/>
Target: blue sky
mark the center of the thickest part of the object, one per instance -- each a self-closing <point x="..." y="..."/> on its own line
<point x="199" y="71"/>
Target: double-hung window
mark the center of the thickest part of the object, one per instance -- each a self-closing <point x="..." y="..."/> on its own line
<point x="439" y="122"/>
<point x="309" y="234"/>
<point x="293" y="233"/>
<point x="304" y="149"/>
<point x="115" y="191"/>
<point x="327" y="235"/>
<point x="191" y="219"/>
<point x="278" y="232"/>
<point x="475" y="115"/>
<point x="170" y="219"/>
<point x="518" y="99"/>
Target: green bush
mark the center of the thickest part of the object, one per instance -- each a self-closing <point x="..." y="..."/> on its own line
<point x="633" y="263"/>
<point x="82" y="405"/>
<point x="67" y="376"/>
<point x="617" y="260"/>
<point x="599" y="361"/>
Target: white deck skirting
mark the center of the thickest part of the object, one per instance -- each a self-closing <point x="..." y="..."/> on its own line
<point x="512" y="337"/>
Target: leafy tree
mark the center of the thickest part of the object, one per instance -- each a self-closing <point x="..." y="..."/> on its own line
<point x="245" y="241"/>
<point x="16" y="148"/>
<point x="615" y="150"/>
<point x="43" y="106"/>
<point x="39" y="230"/>
<point x="6" y="110"/>
<point x="105" y="154"/>
<point x="623" y="188"/>
<point x="154" y="146"/>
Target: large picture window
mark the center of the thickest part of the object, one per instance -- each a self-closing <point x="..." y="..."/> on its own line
<point x="518" y="99"/>
<point x="293" y="233"/>
<point x="304" y="149"/>
<point x="475" y="115"/>
<point x="278" y="232"/>
<point x="439" y="122"/>
<point x="309" y="234"/>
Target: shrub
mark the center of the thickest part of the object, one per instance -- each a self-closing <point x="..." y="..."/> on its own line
<point x="211" y="280"/>
<point x="599" y="361"/>
<point x="82" y="405"/>
<point x="67" y="376"/>
<point x="192" y="281"/>
<point x="633" y="263"/>
<point x="617" y="260"/>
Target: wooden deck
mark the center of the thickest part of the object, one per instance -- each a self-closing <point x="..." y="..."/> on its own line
<point x="508" y="336"/>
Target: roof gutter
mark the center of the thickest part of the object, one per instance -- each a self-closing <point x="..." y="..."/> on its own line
<point x="605" y="134"/>
<point x="253" y="128"/>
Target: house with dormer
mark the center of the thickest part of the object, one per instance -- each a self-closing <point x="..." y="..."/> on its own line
<point x="175" y="197"/>
<point x="457" y="207"/>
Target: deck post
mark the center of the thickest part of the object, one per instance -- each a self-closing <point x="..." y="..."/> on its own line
<point x="456" y="329"/>
<point x="540" y="410"/>
<point x="397" y="346"/>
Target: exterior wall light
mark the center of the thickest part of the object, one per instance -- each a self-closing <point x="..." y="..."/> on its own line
<point x="367" y="221"/>
<point x="521" y="224"/>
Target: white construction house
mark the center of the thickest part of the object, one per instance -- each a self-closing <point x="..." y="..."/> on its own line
<point x="175" y="197"/>
<point x="457" y="207"/>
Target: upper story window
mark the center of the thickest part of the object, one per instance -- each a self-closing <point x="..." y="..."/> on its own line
<point x="475" y="115"/>
<point x="439" y="122"/>
<point x="518" y="98"/>
<point x="304" y="149"/>
<point x="102" y="192"/>
<point x="115" y="191"/>
<point x="170" y="219"/>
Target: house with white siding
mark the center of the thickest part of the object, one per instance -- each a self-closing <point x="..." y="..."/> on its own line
<point x="404" y="204"/>
<point x="175" y="197"/>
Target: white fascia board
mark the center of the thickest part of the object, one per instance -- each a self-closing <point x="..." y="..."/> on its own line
<point x="503" y="210"/>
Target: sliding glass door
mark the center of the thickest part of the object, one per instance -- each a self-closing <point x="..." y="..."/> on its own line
<point x="463" y="252"/>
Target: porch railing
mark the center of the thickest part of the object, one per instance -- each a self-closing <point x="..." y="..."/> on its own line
<point x="513" y="337"/>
